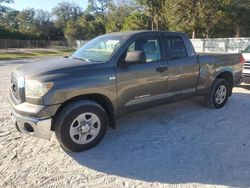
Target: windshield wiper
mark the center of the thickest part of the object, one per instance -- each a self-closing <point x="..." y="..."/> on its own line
<point x="83" y="59"/>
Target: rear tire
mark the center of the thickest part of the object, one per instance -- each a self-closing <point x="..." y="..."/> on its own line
<point x="219" y="94"/>
<point x="81" y="125"/>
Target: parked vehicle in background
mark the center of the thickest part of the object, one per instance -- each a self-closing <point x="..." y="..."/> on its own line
<point x="246" y="59"/>
<point x="113" y="74"/>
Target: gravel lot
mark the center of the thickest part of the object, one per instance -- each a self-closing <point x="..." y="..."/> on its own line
<point x="178" y="145"/>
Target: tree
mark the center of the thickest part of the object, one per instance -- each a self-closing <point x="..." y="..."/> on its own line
<point x="136" y="21"/>
<point x="64" y="12"/>
<point x="26" y="22"/>
<point x="44" y="24"/>
<point x="37" y="23"/>
<point x="116" y="15"/>
<point x="153" y="8"/>
<point x="193" y="15"/>
<point x="71" y="31"/>
<point x="98" y="6"/>
<point x="199" y="18"/>
<point x="8" y="20"/>
<point x="85" y="27"/>
<point x="238" y="12"/>
<point x="4" y="8"/>
<point x="91" y="26"/>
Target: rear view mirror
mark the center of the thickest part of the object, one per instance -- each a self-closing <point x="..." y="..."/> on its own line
<point x="135" y="57"/>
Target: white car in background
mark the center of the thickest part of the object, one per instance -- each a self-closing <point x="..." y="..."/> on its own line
<point x="246" y="71"/>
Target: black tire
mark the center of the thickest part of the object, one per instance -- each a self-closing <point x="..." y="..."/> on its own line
<point x="65" y="118"/>
<point x="211" y="98"/>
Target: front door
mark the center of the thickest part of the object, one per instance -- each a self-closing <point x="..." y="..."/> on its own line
<point x="142" y="84"/>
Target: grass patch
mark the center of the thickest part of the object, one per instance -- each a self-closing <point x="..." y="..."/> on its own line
<point x="19" y="55"/>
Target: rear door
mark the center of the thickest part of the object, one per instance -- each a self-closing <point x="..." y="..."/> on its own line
<point x="140" y="85"/>
<point x="183" y="68"/>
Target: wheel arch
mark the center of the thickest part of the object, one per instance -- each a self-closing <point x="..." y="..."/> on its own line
<point x="100" y="99"/>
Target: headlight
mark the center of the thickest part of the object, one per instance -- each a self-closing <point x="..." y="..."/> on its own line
<point x="36" y="89"/>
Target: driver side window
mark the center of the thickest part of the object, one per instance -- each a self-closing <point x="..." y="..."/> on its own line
<point x="149" y="45"/>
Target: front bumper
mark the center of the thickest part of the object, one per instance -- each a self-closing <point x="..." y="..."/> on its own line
<point x="246" y="75"/>
<point x="40" y="128"/>
<point x="246" y="79"/>
<point x="31" y="119"/>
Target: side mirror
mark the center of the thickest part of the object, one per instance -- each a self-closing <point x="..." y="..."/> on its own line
<point x="135" y="57"/>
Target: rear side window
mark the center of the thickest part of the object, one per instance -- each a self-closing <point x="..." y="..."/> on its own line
<point x="176" y="47"/>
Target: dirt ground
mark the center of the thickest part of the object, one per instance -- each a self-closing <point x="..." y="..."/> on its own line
<point x="178" y="145"/>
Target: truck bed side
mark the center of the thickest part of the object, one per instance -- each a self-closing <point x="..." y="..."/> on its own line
<point x="214" y="65"/>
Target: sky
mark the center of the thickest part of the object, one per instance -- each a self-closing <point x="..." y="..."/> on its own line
<point x="42" y="4"/>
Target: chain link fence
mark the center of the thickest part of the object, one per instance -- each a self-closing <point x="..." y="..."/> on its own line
<point x="220" y="45"/>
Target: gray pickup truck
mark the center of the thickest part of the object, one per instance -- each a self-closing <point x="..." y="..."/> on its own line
<point x="78" y="97"/>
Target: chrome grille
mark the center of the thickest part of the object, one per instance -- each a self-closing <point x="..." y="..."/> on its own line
<point x="14" y="86"/>
<point x="17" y="87"/>
<point x="247" y="65"/>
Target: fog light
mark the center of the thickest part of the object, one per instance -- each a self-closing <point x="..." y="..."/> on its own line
<point x="28" y="128"/>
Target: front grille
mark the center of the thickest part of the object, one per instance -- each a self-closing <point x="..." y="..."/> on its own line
<point x="14" y="86"/>
<point x="247" y="65"/>
<point x="17" y="87"/>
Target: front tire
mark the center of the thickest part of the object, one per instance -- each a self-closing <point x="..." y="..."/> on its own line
<point x="219" y="94"/>
<point x="81" y="125"/>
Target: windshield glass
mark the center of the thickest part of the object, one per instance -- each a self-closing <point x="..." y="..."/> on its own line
<point x="100" y="48"/>
<point x="247" y="50"/>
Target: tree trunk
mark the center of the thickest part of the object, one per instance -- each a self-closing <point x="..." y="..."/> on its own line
<point x="152" y="23"/>
<point x="207" y="33"/>
<point x="157" y="23"/>
<point x="193" y="34"/>
<point x="237" y="32"/>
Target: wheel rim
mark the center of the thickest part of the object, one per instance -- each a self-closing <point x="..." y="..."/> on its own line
<point x="85" y="128"/>
<point x="221" y="94"/>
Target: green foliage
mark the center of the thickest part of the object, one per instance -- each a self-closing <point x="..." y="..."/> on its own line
<point x="136" y="21"/>
<point x="199" y="18"/>
<point x="116" y="16"/>
<point x="99" y="6"/>
<point x="238" y="12"/>
<point x="206" y="18"/>
<point x="27" y="24"/>
<point x="154" y="10"/>
<point x="4" y="8"/>
<point x="6" y="1"/>
<point x="64" y="12"/>
<point x="9" y="21"/>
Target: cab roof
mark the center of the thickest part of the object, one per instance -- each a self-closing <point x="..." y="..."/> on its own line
<point x="130" y="33"/>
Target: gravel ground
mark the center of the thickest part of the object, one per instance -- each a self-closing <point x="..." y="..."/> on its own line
<point x="178" y="145"/>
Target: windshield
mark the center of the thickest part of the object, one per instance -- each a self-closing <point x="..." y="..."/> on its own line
<point x="247" y="50"/>
<point x="99" y="49"/>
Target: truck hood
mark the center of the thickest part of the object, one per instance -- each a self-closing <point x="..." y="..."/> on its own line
<point x="53" y="68"/>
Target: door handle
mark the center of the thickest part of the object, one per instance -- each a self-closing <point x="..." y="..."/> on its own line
<point x="161" y="69"/>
